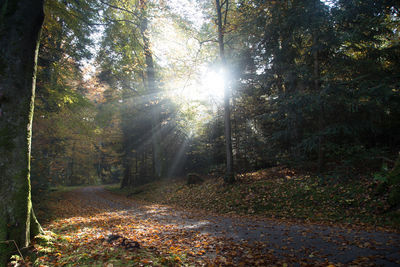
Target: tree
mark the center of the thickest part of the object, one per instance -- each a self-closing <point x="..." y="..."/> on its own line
<point x="63" y="124"/>
<point x="221" y="23"/>
<point x="151" y="89"/>
<point x="20" y="24"/>
<point x="128" y="66"/>
<point x="319" y="83"/>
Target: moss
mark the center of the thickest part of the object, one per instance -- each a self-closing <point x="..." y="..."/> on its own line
<point x="6" y="141"/>
<point x="45" y="239"/>
<point x="20" y="210"/>
<point x="36" y="228"/>
<point x="5" y="250"/>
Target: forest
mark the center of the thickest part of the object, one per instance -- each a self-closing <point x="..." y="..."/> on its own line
<point x="130" y="130"/>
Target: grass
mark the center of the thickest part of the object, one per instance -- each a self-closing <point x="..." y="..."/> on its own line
<point x="278" y="193"/>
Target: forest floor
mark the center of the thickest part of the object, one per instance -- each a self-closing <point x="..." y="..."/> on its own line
<point x="92" y="226"/>
<point x="352" y="201"/>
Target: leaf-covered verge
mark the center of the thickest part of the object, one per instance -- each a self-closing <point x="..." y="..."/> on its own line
<point x="280" y="193"/>
<point x="95" y="227"/>
<point x="78" y="234"/>
<point x="83" y="225"/>
<point x="91" y="249"/>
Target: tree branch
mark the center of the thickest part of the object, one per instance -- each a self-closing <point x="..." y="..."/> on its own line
<point x="121" y="9"/>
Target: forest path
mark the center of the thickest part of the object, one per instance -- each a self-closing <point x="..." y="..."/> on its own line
<point x="93" y="213"/>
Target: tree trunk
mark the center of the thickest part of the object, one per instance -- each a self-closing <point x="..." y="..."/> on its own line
<point x="152" y="95"/>
<point x="235" y="133"/>
<point x="126" y="177"/>
<point x="136" y="164"/>
<point x="317" y="88"/>
<point x="20" y="24"/>
<point x="229" y="175"/>
<point x="71" y="165"/>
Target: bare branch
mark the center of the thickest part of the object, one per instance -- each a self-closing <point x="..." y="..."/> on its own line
<point x="8" y="241"/>
<point x="226" y="11"/>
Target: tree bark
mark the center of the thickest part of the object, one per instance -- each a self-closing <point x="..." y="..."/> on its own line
<point x="152" y="95"/>
<point x="229" y="175"/>
<point x="20" y="24"/>
<point x="317" y="88"/>
<point x="126" y="176"/>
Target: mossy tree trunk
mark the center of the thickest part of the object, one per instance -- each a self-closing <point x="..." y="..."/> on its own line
<point x="20" y="24"/>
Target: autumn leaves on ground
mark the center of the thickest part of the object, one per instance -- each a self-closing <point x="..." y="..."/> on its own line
<point x="265" y="222"/>
<point x="95" y="227"/>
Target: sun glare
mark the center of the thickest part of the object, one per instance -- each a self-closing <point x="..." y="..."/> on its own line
<point x="208" y="86"/>
<point x="213" y="84"/>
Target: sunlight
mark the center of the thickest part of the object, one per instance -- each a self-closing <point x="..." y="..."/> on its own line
<point x="329" y="3"/>
<point x="209" y="86"/>
<point x="213" y="84"/>
<point x="188" y="75"/>
<point x="179" y="158"/>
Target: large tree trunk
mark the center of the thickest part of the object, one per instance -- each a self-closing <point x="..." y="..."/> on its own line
<point x="229" y="175"/>
<point x="20" y="24"/>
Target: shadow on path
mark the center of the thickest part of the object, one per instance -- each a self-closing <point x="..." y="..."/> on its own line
<point x="161" y="225"/>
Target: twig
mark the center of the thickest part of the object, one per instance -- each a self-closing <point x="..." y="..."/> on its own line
<point x="8" y="241"/>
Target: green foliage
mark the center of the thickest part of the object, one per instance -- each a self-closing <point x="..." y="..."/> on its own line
<point x="315" y="86"/>
<point x="382" y="175"/>
<point x="121" y="58"/>
<point x="322" y="80"/>
<point x="64" y="146"/>
<point x="390" y="184"/>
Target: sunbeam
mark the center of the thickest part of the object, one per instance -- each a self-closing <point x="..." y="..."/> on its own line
<point x="179" y="157"/>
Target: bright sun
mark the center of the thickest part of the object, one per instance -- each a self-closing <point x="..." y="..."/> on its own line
<point x="213" y="84"/>
<point x="189" y="75"/>
<point x="209" y="86"/>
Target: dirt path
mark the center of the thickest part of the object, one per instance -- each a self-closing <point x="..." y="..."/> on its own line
<point x="93" y="212"/>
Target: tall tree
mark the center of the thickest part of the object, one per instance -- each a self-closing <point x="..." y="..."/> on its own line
<point x="221" y="23"/>
<point x="63" y="114"/>
<point x="20" y="24"/>
<point x="151" y="89"/>
<point x="319" y="83"/>
<point x="131" y="60"/>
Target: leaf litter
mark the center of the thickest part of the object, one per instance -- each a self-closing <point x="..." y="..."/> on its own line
<point x="94" y="227"/>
